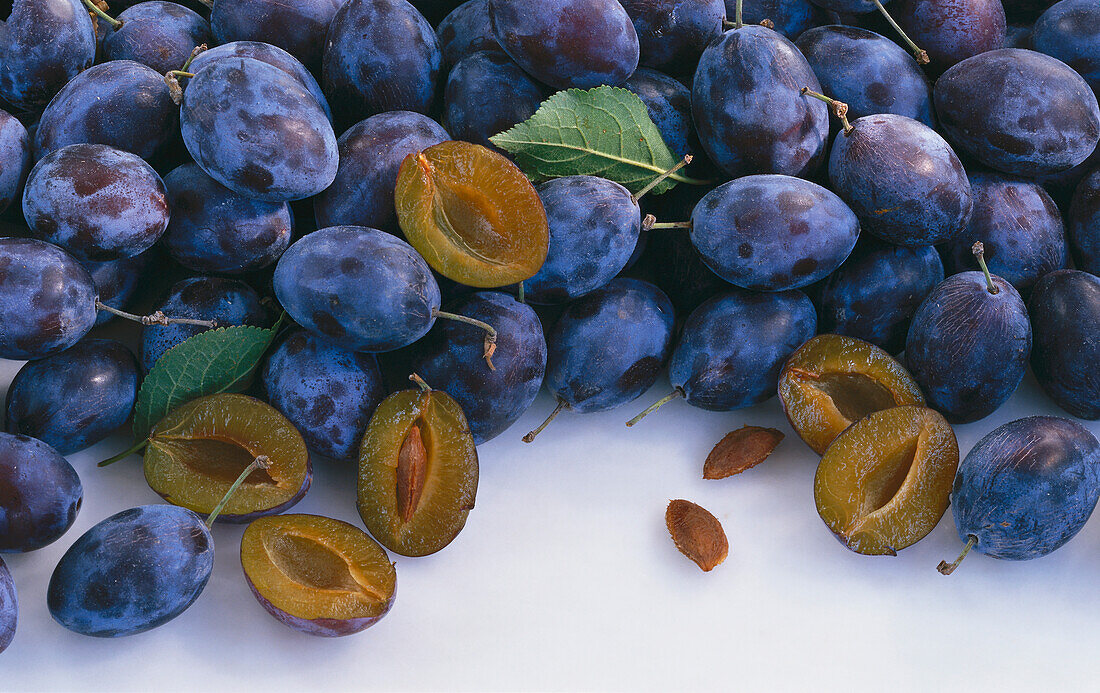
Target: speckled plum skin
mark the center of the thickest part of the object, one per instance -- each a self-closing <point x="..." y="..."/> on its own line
<point x="371" y="153"/>
<point x="925" y="202"/>
<point x="668" y="103"/>
<point x="487" y="94"/>
<point x="790" y="17"/>
<point x="322" y="627"/>
<point x="608" y="347"/>
<point x="122" y="104"/>
<point x="362" y="288"/>
<point x="297" y="27"/>
<point x="117" y="281"/>
<point x="1070" y="31"/>
<point x="772" y="233"/>
<point x="1020" y="226"/>
<point x="370" y="68"/>
<point x="9" y="607"/>
<point x="76" y="398"/>
<point x="869" y="72"/>
<point x="47" y="299"/>
<point x="44" y="44"/>
<point x="1018" y="111"/>
<point x="449" y="358"/>
<point x="97" y="202"/>
<point x="673" y="33"/>
<point x="132" y="572"/>
<point x="594" y="227"/>
<point x="40" y="494"/>
<point x="1084" y="224"/>
<point x="567" y="43"/>
<point x="15" y="158"/>
<point x="1027" y="488"/>
<point x="216" y="230"/>
<point x="733" y="346"/>
<point x="749" y="113"/>
<point x="258" y="131"/>
<point x="328" y="393"/>
<point x="465" y="31"/>
<point x="1065" y="310"/>
<point x="158" y="34"/>
<point x="953" y="30"/>
<point x="228" y="301"/>
<point x="967" y="348"/>
<point x="875" y="293"/>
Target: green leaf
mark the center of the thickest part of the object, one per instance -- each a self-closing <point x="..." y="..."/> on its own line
<point x="604" y="131"/>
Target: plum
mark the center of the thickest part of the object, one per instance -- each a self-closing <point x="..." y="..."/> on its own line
<point x="40" y="494"/>
<point x="1084" y="224"/>
<point x="1070" y="31"/>
<point x="43" y="44"/>
<point x="672" y="33"/>
<point x="158" y="34"/>
<point x="465" y="31"/>
<point x="486" y="94"/>
<point x="117" y="281"/>
<point x="297" y="27"/>
<point x="1065" y="310"/>
<point x="15" y="158"/>
<point x="790" y="17"/>
<point x="953" y="30"/>
<point x="668" y="103"/>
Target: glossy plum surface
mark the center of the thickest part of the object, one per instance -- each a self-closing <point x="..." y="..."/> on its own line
<point x="298" y="27"/>
<point x="158" y="34"/>
<point x="465" y="31"/>
<point x="790" y="17"/>
<point x="1084" y="224"/>
<point x="40" y="494"/>
<point x="117" y="281"/>
<point x="1070" y="31"/>
<point x="1065" y="310"/>
<point x="487" y="94"/>
<point x="44" y="44"/>
<point x="953" y="30"/>
<point x="673" y="33"/>
<point x="15" y="158"/>
<point x="668" y="103"/>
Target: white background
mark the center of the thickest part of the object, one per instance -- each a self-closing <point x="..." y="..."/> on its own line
<point x="565" y="578"/>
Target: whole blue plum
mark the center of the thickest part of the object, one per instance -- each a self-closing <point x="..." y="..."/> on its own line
<point x="1070" y="31"/>
<point x="465" y="31"/>
<point x="97" y="202"/>
<point x="371" y="153"/>
<point x="158" y="34"/>
<point x="925" y="202"/>
<point x="297" y="27"/>
<point x="226" y="301"/>
<point x="76" y="398"/>
<point x="1027" y="488"/>
<point x="869" y="72"/>
<point x="1020" y="226"/>
<point x="43" y="44"/>
<point x="132" y="572"/>
<point x="9" y="607"/>
<point x="117" y="281"/>
<point x="772" y="233"/>
<point x="258" y="131"/>
<point x="1084" y="224"/>
<point x="47" y="299"/>
<point x="487" y="94"/>
<point x="790" y="17"/>
<point x="953" y="30"/>
<point x="668" y="103"/>
<point x="216" y="230"/>
<point x="362" y="288"/>
<point x="40" y="494"/>
<point x="749" y="111"/>
<point x="673" y="33"/>
<point x="15" y="158"/>
<point x="875" y="293"/>
<point x="327" y="392"/>
<point x="567" y="43"/>
<point x="1065" y="312"/>
<point x="1018" y="111"/>
<point x="449" y="358"/>
<point x="122" y="104"/>
<point x="380" y="55"/>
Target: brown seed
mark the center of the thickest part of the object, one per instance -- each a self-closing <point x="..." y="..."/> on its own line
<point x="697" y="533"/>
<point x="412" y="470"/>
<point x="742" y="449"/>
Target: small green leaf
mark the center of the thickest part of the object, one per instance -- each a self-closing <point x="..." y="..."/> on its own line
<point x="604" y="131"/>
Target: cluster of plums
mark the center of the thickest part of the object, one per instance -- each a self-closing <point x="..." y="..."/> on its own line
<point x="933" y="191"/>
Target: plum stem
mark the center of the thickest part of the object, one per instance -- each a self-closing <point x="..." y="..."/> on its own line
<point x="979" y="252"/>
<point x="671" y="225"/>
<point x="175" y="90"/>
<point x="657" y="181"/>
<point x="490" y="333"/>
<point x="530" y="437"/>
<point x="946" y="568"/>
<point x="675" y="394"/>
<point x="766" y="23"/>
<point x="648" y="221"/>
<point x="920" y="55"/>
<point x="201" y="48"/>
<point x="839" y="108"/>
<point x="425" y="387"/>
<point x="520" y="295"/>
<point x="157" y="318"/>
<point x="94" y="9"/>
<point x="133" y="450"/>
<point x="737" y="23"/>
<point x="261" y="462"/>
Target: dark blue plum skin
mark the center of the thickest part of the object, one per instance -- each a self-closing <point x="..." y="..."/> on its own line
<point x="371" y="153"/>
<point x="361" y="288"/>
<point x="465" y="31"/>
<point x="227" y="301"/>
<point x="734" y="345"/>
<point x="97" y="202"/>
<point x="216" y="230"/>
<point x="594" y="226"/>
<point x="679" y="271"/>
<point x="1018" y="36"/>
<point x="848" y="6"/>
<point x="299" y="28"/>
<point x="258" y="131"/>
<point x="968" y="348"/>
<point x="567" y="43"/>
<point x="1027" y="488"/>
<point x="370" y="68"/>
<point x="117" y="281"/>
<point x="737" y="74"/>
<point x="76" y="398"/>
<point x="953" y="30"/>
<point x="1018" y="111"/>
<point x="9" y="607"/>
<point x="15" y="158"/>
<point x="449" y="358"/>
<point x="132" y="572"/>
<point x="328" y="393"/>
<point x="158" y="34"/>
<point x="40" y="494"/>
<point x="122" y="104"/>
<point x="790" y="17"/>
<point x="487" y="94"/>
<point x="1084" y="224"/>
<point x="47" y="299"/>
<point x="925" y="202"/>
<point x="43" y="44"/>
<point x="1020" y="226"/>
<point x="772" y="233"/>
<point x="668" y="103"/>
<point x="1065" y="310"/>
<point x="869" y="72"/>
<point x="608" y="347"/>
<point x="1070" y="31"/>
<point x="673" y="33"/>
<point x="875" y="293"/>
